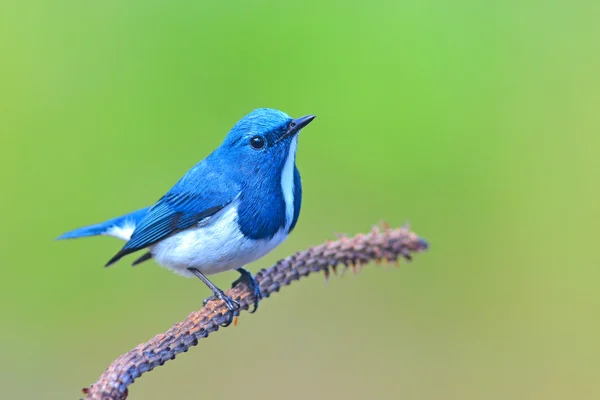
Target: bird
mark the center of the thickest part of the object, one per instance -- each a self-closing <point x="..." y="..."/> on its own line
<point x="230" y="209"/>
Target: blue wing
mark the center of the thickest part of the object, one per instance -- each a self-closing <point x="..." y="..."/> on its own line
<point x="179" y="209"/>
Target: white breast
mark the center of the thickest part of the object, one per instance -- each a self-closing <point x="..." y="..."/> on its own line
<point x="215" y="245"/>
<point x="287" y="183"/>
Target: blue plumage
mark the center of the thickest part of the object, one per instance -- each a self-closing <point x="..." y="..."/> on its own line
<point x="230" y="209"/>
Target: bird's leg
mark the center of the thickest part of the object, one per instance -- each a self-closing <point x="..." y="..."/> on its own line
<point x="217" y="294"/>
<point x="247" y="279"/>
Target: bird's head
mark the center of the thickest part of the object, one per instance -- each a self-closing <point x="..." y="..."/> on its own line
<point x="263" y="140"/>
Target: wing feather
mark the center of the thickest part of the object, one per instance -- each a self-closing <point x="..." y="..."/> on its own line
<point x="174" y="212"/>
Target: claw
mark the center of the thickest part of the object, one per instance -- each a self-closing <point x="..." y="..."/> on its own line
<point x="217" y="295"/>
<point x="231" y="304"/>
<point x="247" y="279"/>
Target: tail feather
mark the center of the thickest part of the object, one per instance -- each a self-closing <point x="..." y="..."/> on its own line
<point x="121" y="227"/>
<point x="143" y="258"/>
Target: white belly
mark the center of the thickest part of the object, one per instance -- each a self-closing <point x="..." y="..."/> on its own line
<point x="216" y="245"/>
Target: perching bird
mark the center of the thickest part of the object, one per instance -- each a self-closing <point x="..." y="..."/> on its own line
<point x="230" y="209"/>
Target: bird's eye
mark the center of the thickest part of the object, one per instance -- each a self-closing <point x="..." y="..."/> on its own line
<point x="291" y="125"/>
<point x="257" y="142"/>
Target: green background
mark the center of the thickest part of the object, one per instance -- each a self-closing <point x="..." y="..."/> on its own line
<point x="476" y="121"/>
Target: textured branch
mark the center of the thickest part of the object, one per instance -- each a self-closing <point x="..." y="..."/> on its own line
<point x="387" y="245"/>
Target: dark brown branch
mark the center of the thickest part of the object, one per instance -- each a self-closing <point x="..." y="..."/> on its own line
<point x="387" y="245"/>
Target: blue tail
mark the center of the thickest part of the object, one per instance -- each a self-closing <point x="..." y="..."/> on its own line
<point x="120" y="227"/>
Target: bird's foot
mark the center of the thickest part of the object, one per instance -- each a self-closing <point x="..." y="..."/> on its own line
<point x="231" y="304"/>
<point x="217" y="295"/>
<point x="247" y="279"/>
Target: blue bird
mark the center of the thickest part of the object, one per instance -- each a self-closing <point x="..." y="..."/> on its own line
<point x="230" y="209"/>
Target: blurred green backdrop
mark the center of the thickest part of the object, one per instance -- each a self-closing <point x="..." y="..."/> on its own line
<point x="476" y="121"/>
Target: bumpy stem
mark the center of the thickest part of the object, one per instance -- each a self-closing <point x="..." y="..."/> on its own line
<point x="380" y="245"/>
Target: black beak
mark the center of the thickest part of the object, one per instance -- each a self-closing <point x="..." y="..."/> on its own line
<point x="300" y="123"/>
<point x="297" y="124"/>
